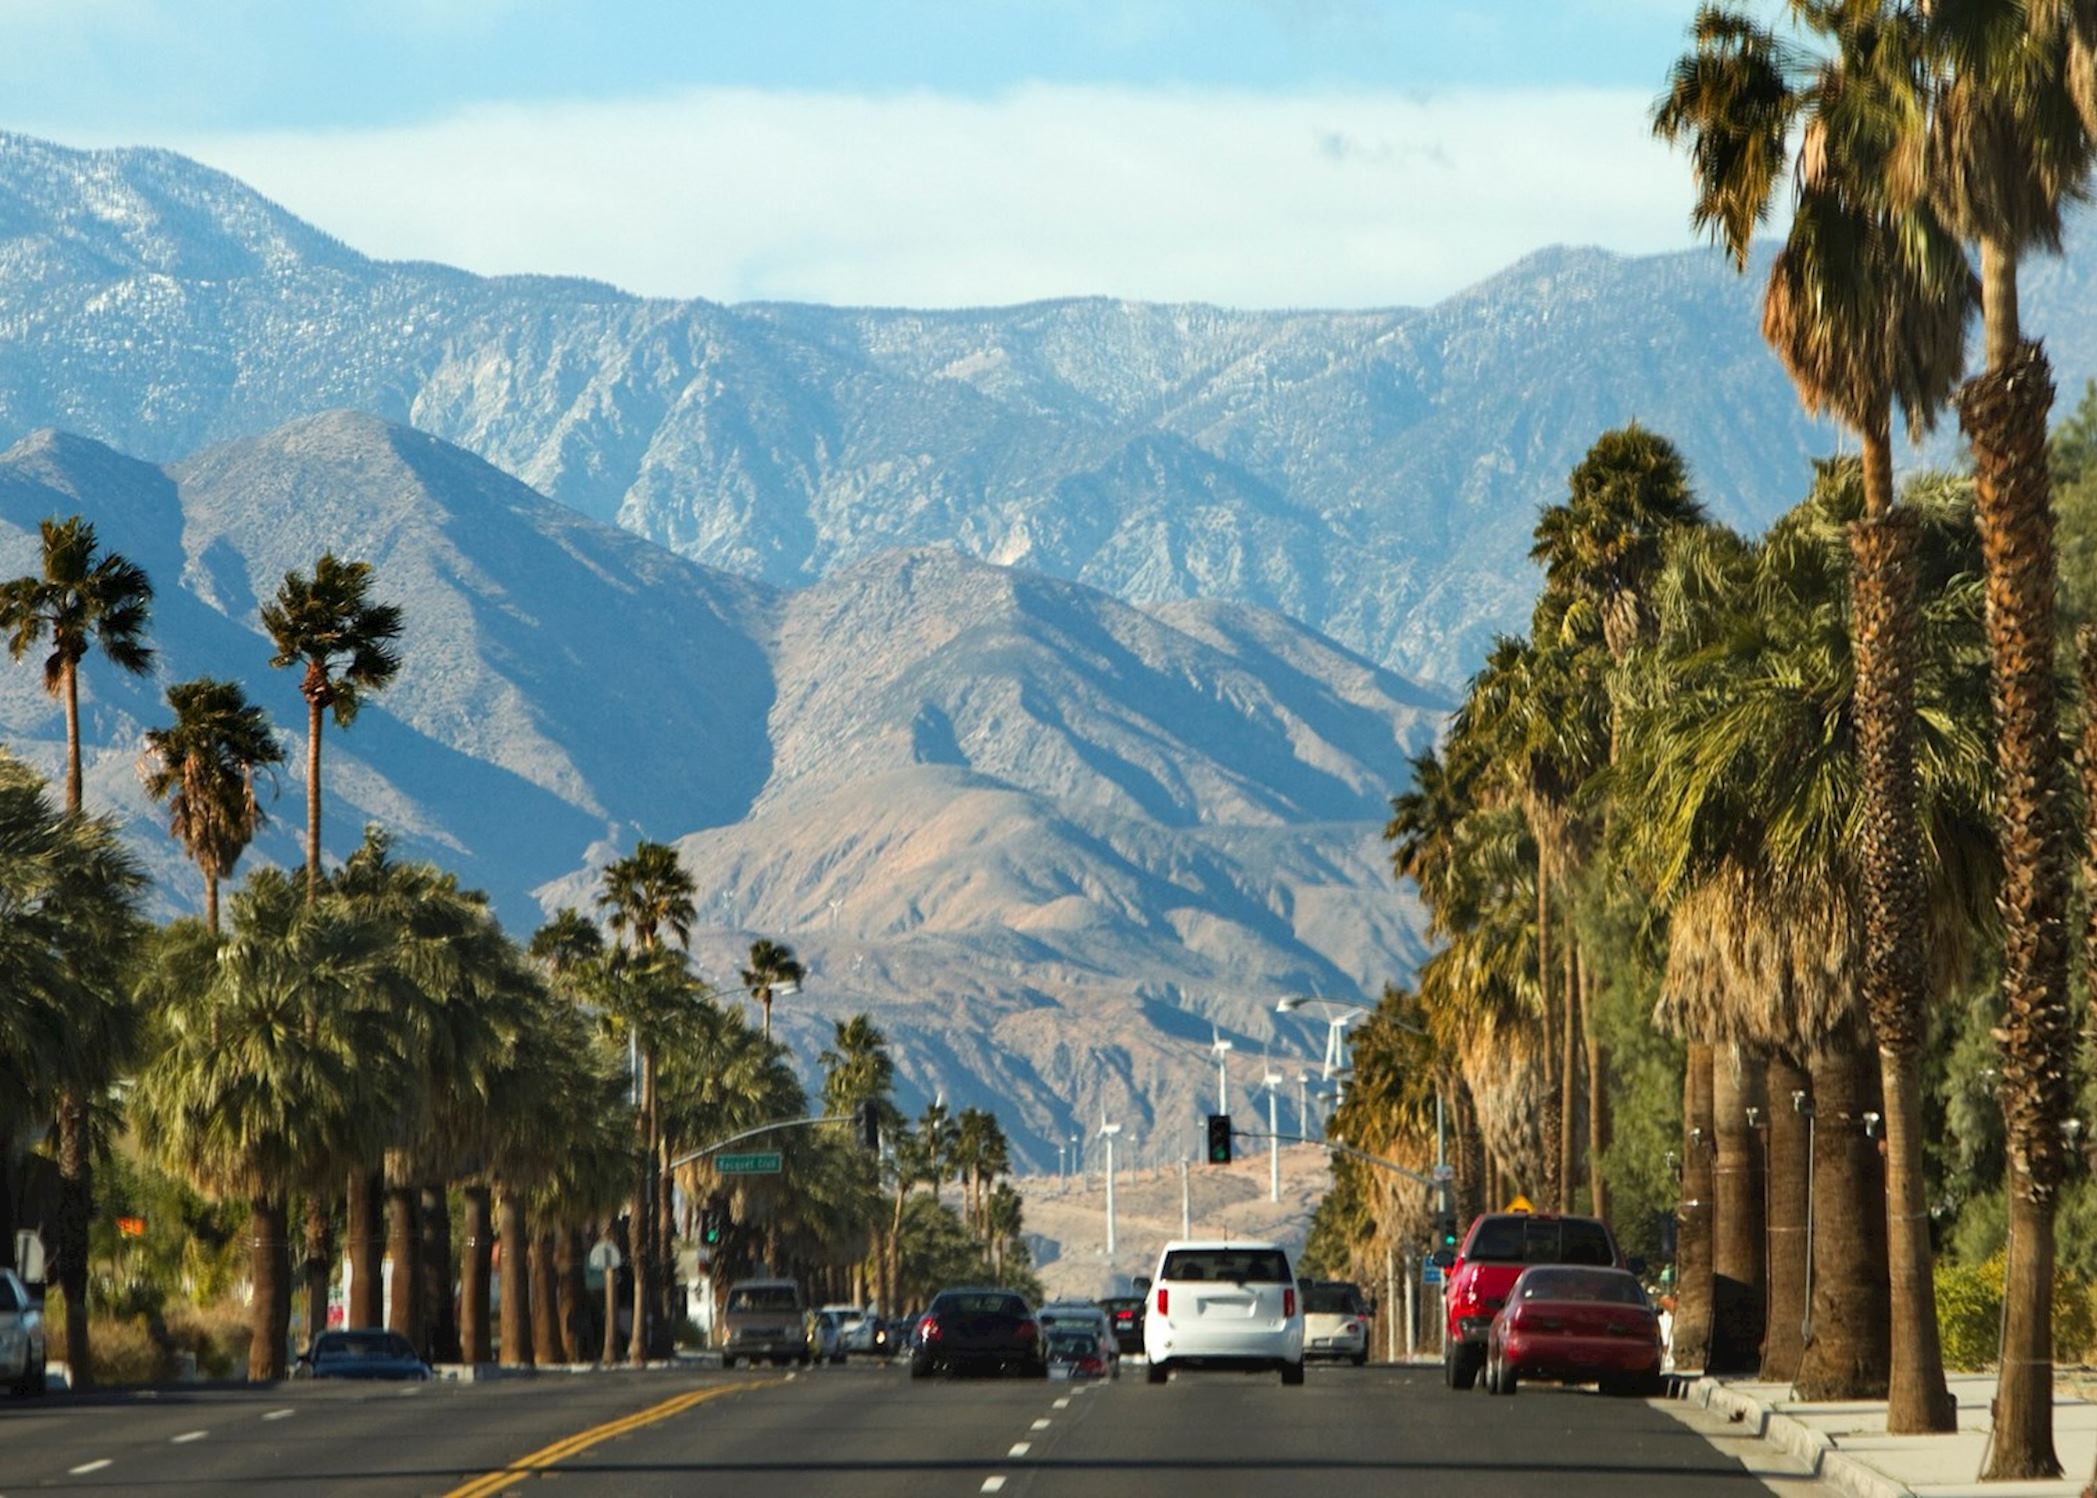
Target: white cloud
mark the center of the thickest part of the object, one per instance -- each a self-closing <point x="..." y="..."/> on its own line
<point x="1250" y="199"/>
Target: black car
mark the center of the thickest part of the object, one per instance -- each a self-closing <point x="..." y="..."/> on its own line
<point x="1125" y="1312"/>
<point x="372" y="1354"/>
<point x="978" y="1331"/>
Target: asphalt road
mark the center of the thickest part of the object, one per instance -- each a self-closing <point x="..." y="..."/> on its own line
<point x="871" y="1432"/>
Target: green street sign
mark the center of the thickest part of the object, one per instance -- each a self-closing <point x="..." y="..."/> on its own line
<point x="748" y="1165"/>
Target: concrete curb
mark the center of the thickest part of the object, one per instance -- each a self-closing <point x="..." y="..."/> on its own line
<point x="1816" y="1448"/>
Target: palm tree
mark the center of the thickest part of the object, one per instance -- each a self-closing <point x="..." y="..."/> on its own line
<point x="772" y="970"/>
<point x="203" y="767"/>
<point x="2010" y="142"/>
<point x="329" y="624"/>
<point x="268" y="1061"/>
<point x="1866" y="305"/>
<point x="647" y="892"/>
<point x="80" y="599"/>
<point x="566" y="943"/>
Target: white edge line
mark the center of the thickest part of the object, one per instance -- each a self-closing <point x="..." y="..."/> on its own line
<point x="85" y="1467"/>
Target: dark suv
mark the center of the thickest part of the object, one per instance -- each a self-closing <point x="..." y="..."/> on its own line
<point x="1498" y="1248"/>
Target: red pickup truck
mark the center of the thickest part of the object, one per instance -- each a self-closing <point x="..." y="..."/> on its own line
<point x="1498" y="1248"/>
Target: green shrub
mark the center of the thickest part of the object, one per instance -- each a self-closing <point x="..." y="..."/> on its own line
<point x="1969" y="1314"/>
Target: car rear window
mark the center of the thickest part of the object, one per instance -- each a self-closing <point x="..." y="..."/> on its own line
<point x="1232" y="1266"/>
<point x="363" y="1345"/>
<point x="980" y="1305"/>
<point x="764" y="1298"/>
<point x="1074" y="1344"/>
<point x="1331" y="1300"/>
<point x="1546" y="1240"/>
<point x="1582" y="1284"/>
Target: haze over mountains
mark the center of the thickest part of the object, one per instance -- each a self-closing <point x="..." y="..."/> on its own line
<point x="1040" y="834"/>
<point x="1374" y="474"/>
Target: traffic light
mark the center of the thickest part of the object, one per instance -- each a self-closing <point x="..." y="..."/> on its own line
<point x="1445" y="1233"/>
<point x="713" y="1222"/>
<point x="866" y="1122"/>
<point x="1219" y="1139"/>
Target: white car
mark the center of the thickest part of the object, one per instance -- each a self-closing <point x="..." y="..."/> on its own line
<point x="852" y="1327"/>
<point x="1224" y="1305"/>
<point x="1335" y="1321"/>
<point x="23" y="1349"/>
<point x="1081" y="1315"/>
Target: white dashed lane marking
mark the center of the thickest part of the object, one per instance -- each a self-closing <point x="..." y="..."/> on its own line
<point x="187" y="1436"/>
<point x="1020" y="1448"/>
<point x="1040" y="1425"/>
<point x="993" y="1484"/>
<point x="280" y="1414"/>
<point x="86" y="1467"/>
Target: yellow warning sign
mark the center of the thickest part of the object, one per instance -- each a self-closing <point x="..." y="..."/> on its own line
<point x="1520" y="1204"/>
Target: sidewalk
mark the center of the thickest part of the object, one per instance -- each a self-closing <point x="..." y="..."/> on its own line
<point x="1854" y="1454"/>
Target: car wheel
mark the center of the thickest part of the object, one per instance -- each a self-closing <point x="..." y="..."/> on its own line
<point x="1460" y="1365"/>
<point x="1508" y="1382"/>
<point x="802" y="1360"/>
<point x="1292" y="1373"/>
<point x="727" y="1360"/>
<point x="31" y="1384"/>
<point x="1156" y="1373"/>
<point x="920" y="1368"/>
<point x="1359" y="1359"/>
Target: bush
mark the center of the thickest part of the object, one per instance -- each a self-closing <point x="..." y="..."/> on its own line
<point x="134" y="1350"/>
<point x="216" y="1336"/>
<point x="1969" y="1314"/>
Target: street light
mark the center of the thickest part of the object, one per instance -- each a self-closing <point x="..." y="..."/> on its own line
<point x="1107" y="1132"/>
<point x="1222" y="1048"/>
<point x="1303" y="1104"/>
<point x="1337" y="1017"/>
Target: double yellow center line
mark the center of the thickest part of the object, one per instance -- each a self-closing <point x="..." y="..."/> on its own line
<point x="490" y="1483"/>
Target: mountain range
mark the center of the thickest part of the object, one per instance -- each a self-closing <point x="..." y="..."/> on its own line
<point x="1045" y="837"/>
<point x="1372" y="473"/>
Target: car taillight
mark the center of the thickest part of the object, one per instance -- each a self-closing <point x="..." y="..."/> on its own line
<point x="1027" y="1332"/>
<point x="1164" y="1300"/>
<point x="929" y="1332"/>
<point x="1091" y="1365"/>
<point x="1288" y="1303"/>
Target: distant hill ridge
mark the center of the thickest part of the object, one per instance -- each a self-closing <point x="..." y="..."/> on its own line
<point x="1372" y="473"/>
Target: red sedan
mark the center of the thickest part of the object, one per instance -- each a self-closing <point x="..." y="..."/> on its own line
<point x="1576" y="1326"/>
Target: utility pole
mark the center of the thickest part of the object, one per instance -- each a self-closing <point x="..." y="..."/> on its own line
<point x="1107" y="1132"/>
<point x="1390" y="1300"/>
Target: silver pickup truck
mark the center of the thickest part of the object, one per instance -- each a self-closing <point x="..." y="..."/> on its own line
<point x="766" y="1319"/>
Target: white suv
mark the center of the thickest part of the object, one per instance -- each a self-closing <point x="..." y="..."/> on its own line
<point x="1230" y="1305"/>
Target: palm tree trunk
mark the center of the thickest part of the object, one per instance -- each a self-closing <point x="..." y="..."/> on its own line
<point x="75" y="1208"/>
<point x="403" y="1304"/>
<point x="1471" y="1164"/>
<point x="1569" y="1081"/>
<point x="516" y="1349"/>
<point x="1597" y="1095"/>
<point x="440" y="1311"/>
<point x="574" y="1294"/>
<point x="267" y="1254"/>
<point x="1738" y="1241"/>
<point x="1554" y="1110"/>
<point x="665" y="1341"/>
<point x="313" y="717"/>
<point x="1787" y="1167"/>
<point x="367" y="1247"/>
<point x="71" y="678"/>
<point x="1895" y="979"/>
<point x="767" y="997"/>
<point x="641" y="1229"/>
<point x="319" y="1262"/>
<point x="1692" y="1336"/>
<point x="546" y="1310"/>
<point x="478" y="1233"/>
<point x="1849" y="1355"/>
<point x="211" y="903"/>
<point x="2004" y="414"/>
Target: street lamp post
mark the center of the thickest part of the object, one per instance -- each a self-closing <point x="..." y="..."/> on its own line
<point x="1303" y="1104"/>
<point x="1186" y="1203"/>
<point x="1222" y="1048"/>
<point x="1273" y="1080"/>
<point x="1107" y="1132"/>
<point x="1337" y="1018"/>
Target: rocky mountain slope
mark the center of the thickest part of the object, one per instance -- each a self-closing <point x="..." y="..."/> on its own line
<point x="1372" y="473"/>
<point x="1046" y="837"/>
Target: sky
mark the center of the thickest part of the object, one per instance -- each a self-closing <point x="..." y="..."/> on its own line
<point x="902" y="152"/>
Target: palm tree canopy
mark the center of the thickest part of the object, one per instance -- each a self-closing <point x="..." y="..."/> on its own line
<point x="329" y="623"/>
<point x="567" y="941"/>
<point x="203" y="766"/>
<point x="81" y="598"/>
<point x="647" y="891"/>
<point x="772" y="967"/>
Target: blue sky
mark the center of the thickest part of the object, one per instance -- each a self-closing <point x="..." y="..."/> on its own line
<point x="930" y="151"/>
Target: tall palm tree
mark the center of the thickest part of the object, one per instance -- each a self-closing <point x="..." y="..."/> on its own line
<point x="203" y="766"/>
<point x="329" y="624"/>
<point x="772" y="968"/>
<point x="80" y="599"/>
<point x="1866" y="305"/>
<point x="646" y="893"/>
<point x="268" y="1061"/>
<point x="2010" y="142"/>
